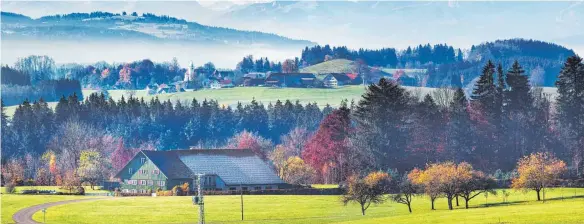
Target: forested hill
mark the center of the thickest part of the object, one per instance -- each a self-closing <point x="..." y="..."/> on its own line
<point x="541" y="60"/>
<point x="145" y="27"/>
<point x="449" y="66"/>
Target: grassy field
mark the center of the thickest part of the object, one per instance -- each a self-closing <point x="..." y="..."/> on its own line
<point x="11" y="203"/>
<point x="332" y="66"/>
<point x="563" y="206"/>
<point x="265" y="95"/>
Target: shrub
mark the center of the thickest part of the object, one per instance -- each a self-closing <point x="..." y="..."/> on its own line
<point x="177" y="191"/>
<point x="80" y="190"/>
<point x="10" y="188"/>
<point x="185" y="188"/>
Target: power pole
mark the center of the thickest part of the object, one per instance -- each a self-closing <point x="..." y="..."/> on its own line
<point x="200" y="201"/>
<point x="241" y="198"/>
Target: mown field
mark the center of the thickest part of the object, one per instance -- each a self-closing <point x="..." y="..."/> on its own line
<point x="11" y="203"/>
<point x="564" y="205"/>
<point x="231" y="96"/>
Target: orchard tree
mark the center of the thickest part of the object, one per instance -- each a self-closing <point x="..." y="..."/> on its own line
<point x="428" y="180"/>
<point x="406" y="191"/>
<point x="537" y="172"/>
<point x="365" y="191"/>
<point x="473" y="183"/>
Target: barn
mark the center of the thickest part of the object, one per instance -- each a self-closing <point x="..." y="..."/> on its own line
<point x="223" y="169"/>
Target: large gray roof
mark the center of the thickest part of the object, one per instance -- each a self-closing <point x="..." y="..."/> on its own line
<point x="233" y="166"/>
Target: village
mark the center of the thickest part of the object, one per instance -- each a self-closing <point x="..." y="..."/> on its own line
<point x="226" y="78"/>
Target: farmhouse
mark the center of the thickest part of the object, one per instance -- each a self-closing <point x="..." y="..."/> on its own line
<point x="223" y="169"/>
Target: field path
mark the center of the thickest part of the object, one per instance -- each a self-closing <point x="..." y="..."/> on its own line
<point x="24" y="216"/>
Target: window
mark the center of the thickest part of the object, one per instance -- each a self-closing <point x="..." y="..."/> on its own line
<point x="161" y="183"/>
<point x="142" y="160"/>
<point x="268" y="187"/>
<point x="132" y="182"/>
<point x="156" y="172"/>
<point x="257" y="188"/>
<point x="130" y="171"/>
<point x="142" y="182"/>
<point x="244" y="188"/>
<point x="231" y="188"/>
<point x="144" y="172"/>
<point x="150" y="182"/>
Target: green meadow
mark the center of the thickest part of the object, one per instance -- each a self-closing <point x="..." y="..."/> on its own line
<point x="563" y="205"/>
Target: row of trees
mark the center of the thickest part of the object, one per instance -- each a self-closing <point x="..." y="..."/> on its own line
<point x="451" y="181"/>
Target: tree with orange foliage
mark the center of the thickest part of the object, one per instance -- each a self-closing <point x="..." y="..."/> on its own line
<point x="289" y="66"/>
<point x="538" y="171"/>
<point x="427" y="180"/>
<point x="367" y="190"/>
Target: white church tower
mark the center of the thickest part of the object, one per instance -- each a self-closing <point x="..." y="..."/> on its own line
<point x="190" y="74"/>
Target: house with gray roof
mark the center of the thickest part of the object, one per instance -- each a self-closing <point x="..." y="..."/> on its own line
<point x="223" y="169"/>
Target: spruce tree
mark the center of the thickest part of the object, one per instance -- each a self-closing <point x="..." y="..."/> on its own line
<point x="485" y="91"/>
<point x="570" y="109"/>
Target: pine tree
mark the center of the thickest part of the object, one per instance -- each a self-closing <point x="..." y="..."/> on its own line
<point x="382" y="118"/>
<point x="570" y="109"/>
<point x="485" y="91"/>
<point x="459" y="138"/>
<point x="518" y="102"/>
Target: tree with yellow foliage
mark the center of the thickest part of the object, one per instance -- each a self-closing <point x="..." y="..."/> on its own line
<point x="428" y="181"/>
<point x="538" y="171"/>
<point x="367" y="190"/>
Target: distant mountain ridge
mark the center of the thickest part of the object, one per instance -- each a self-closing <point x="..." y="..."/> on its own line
<point x="145" y="27"/>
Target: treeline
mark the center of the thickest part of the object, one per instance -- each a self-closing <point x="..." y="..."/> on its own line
<point x="417" y="56"/>
<point x="33" y="79"/>
<point x="248" y="64"/>
<point x="166" y="124"/>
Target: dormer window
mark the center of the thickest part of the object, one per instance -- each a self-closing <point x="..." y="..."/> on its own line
<point x="130" y="171"/>
<point x="143" y="160"/>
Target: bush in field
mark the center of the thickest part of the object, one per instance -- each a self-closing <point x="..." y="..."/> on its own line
<point x="537" y="172"/>
<point x="365" y="191"/>
<point x="80" y="190"/>
<point x="10" y="188"/>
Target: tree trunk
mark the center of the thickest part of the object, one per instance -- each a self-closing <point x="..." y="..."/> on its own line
<point x="538" y="198"/>
<point x="432" y="200"/>
<point x="449" y="203"/>
<point x="92" y="186"/>
<point x="410" y="207"/>
<point x="362" y="210"/>
<point x="457" y="201"/>
<point x="466" y="203"/>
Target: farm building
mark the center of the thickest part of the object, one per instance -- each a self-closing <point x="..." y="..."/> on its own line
<point x="254" y="79"/>
<point x="291" y="79"/>
<point x="332" y="80"/>
<point x="223" y="169"/>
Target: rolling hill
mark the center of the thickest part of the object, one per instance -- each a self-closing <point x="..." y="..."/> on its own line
<point x="145" y="27"/>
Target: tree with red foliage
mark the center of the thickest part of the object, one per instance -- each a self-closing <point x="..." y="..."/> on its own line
<point x="327" y="150"/>
<point x="247" y="140"/>
<point x="121" y="156"/>
<point x="289" y="66"/>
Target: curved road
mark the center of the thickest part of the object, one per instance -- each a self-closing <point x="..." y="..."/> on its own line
<point x="24" y="216"/>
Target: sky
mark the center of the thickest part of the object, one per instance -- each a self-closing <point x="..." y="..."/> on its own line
<point x="360" y="24"/>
